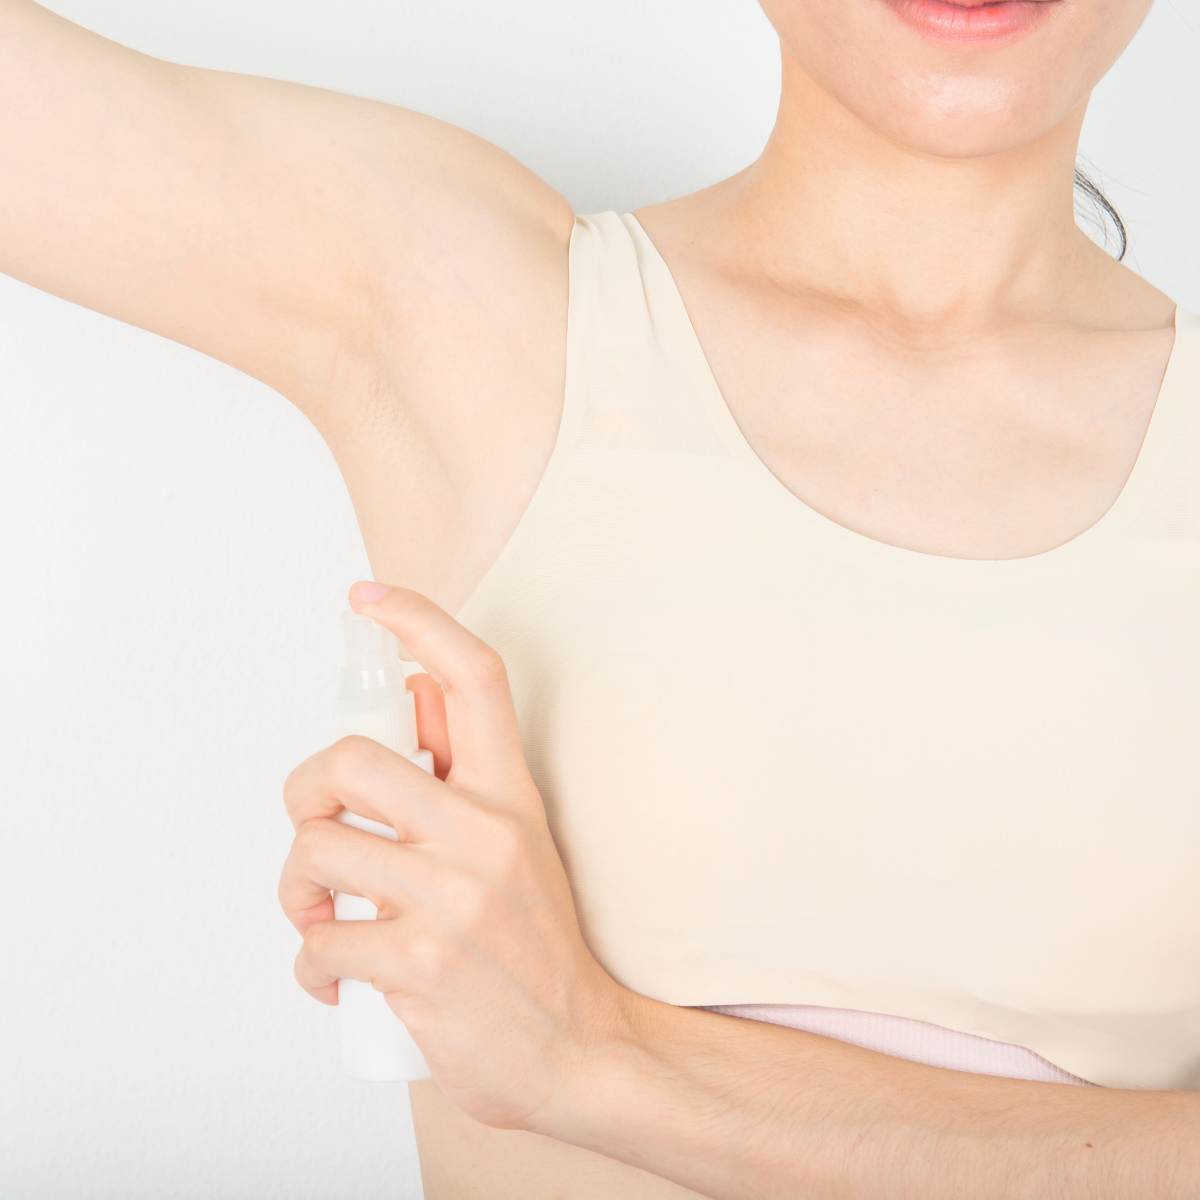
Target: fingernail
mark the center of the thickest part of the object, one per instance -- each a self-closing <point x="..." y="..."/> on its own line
<point x="368" y="591"/>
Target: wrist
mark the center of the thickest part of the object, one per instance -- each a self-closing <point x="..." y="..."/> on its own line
<point x="600" y="1068"/>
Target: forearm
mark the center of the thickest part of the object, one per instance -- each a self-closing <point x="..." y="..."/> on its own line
<point x="744" y="1110"/>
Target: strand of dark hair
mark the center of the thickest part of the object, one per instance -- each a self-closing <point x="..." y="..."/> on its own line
<point x="1102" y="202"/>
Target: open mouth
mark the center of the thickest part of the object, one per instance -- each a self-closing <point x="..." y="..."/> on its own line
<point x="972" y="20"/>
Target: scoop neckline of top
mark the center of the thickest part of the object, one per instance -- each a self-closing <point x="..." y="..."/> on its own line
<point x="846" y="540"/>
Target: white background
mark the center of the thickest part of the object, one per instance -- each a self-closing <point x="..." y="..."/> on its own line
<point x="178" y="543"/>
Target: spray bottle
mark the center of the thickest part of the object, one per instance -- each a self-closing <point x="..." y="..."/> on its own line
<point x="373" y="699"/>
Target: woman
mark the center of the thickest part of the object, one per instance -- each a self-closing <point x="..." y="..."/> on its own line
<point x="822" y="548"/>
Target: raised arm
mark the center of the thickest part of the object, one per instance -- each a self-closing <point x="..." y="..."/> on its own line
<point x="282" y="228"/>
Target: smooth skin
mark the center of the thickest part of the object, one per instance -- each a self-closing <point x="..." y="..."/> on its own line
<point x="895" y="299"/>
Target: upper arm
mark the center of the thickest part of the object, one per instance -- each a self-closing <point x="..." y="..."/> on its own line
<point x="282" y="228"/>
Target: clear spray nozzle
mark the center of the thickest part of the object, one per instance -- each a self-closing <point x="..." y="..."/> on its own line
<point x="373" y="695"/>
<point x="371" y="654"/>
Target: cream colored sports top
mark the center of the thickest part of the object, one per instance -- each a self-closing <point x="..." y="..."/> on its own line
<point x="787" y="763"/>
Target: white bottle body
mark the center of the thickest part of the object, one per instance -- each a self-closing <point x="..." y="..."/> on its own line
<point x="374" y="1043"/>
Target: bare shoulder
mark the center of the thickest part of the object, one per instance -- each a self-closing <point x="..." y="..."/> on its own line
<point x="446" y="414"/>
<point x="1127" y="300"/>
<point x="1128" y="330"/>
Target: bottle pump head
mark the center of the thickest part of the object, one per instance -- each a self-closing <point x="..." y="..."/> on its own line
<point x="371" y="655"/>
<point x="373" y="696"/>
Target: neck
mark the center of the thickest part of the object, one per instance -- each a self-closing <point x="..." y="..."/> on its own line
<point x="912" y="238"/>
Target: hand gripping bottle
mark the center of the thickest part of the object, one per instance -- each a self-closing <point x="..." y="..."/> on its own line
<point x="373" y="700"/>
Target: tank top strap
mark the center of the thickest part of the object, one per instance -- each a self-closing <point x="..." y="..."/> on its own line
<point x="633" y="380"/>
<point x="637" y="379"/>
<point x="1170" y="454"/>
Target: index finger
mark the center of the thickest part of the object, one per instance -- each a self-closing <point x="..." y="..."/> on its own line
<point x="485" y="740"/>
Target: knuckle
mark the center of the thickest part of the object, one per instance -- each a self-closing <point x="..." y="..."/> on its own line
<point x="315" y="940"/>
<point x="350" y="753"/>
<point x="291" y="787"/>
<point x="312" y="838"/>
<point x="281" y="885"/>
<point x="503" y="841"/>
<point x="465" y="896"/>
<point x="485" y="668"/>
<point x="426" y="958"/>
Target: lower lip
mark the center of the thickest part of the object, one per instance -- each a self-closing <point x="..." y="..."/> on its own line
<point x="946" y="22"/>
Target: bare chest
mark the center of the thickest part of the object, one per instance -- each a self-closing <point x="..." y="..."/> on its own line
<point x="999" y="448"/>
